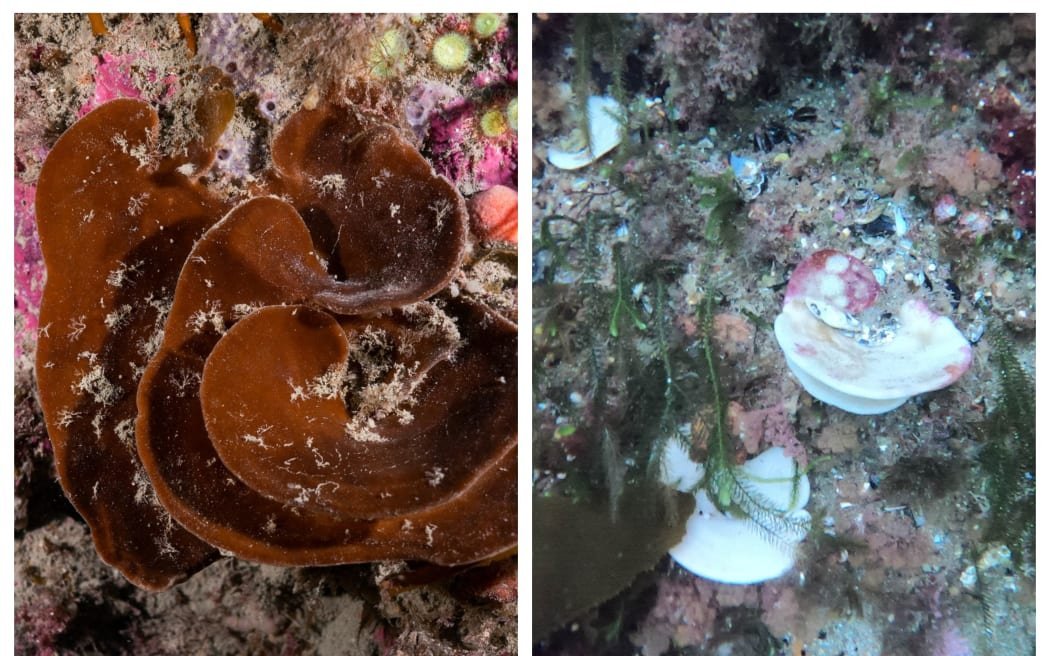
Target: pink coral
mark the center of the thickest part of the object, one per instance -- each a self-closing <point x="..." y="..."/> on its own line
<point x="969" y="172"/>
<point x="733" y="333"/>
<point x="766" y="427"/>
<point x="780" y="608"/>
<point x="684" y="614"/>
<point x="835" y="278"/>
<point x="1021" y="183"/>
<point x="453" y="143"/>
<point x="1013" y="140"/>
<point x="486" y="79"/>
<point x="29" y="270"/>
<point x="450" y="128"/>
<point x="893" y="540"/>
<point x="501" y="62"/>
<point x="113" y="79"/>
<point x="40" y="624"/>
<point x="423" y="101"/>
<point x="499" y="165"/>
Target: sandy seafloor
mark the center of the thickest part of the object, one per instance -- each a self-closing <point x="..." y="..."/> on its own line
<point x="67" y="601"/>
<point x="918" y="122"/>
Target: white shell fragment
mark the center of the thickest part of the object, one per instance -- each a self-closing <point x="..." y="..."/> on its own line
<point x="749" y="175"/>
<point x="604" y="118"/>
<point x="737" y="550"/>
<point x="861" y="368"/>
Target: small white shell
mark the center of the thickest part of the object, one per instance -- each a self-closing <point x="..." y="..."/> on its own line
<point x="833" y="316"/>
<point x="604" y="117"/>
<point x="926" y="352"/>
<point x="729" y="549"/>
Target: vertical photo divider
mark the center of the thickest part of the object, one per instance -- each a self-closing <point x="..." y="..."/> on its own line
<point x="525" y="330"/>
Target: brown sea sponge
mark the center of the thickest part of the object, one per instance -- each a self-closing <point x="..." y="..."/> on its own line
<point x="288" y="380"/>
<point x="116" y="222"/>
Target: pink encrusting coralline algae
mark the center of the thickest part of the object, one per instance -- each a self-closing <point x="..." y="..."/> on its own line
<point x="29" y="270"/>
<point x="453" y="140"/>
<point x="498" y="166"/>
<point x="858" y="367"/>
<point x="113" y="79"/>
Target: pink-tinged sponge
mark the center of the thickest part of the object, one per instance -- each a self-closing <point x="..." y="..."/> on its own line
<point x="113" y="79"/>
<point x="494" y="214"/>
<point x="860" y="368"/>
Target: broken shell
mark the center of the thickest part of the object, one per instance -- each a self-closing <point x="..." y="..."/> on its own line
<point x="835" y="279"/>
<point x="945" y="210"/>
<point x="746" y="170"/>
<point x="605" y="125"/>
<point x="730" y="549"/>
<point x="749" y="175"/>
<point x="879" y="221"/>
<point x="833" y="316"/>
<point x="859" y="368"/>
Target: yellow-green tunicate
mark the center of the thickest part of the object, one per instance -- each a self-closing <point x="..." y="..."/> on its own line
<point x="493" y="124"/>
<point x="451" y="51"/>
<point x="388" y="53"/>
<point x="485" y="25"/>
<point x="512" y="114"/>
